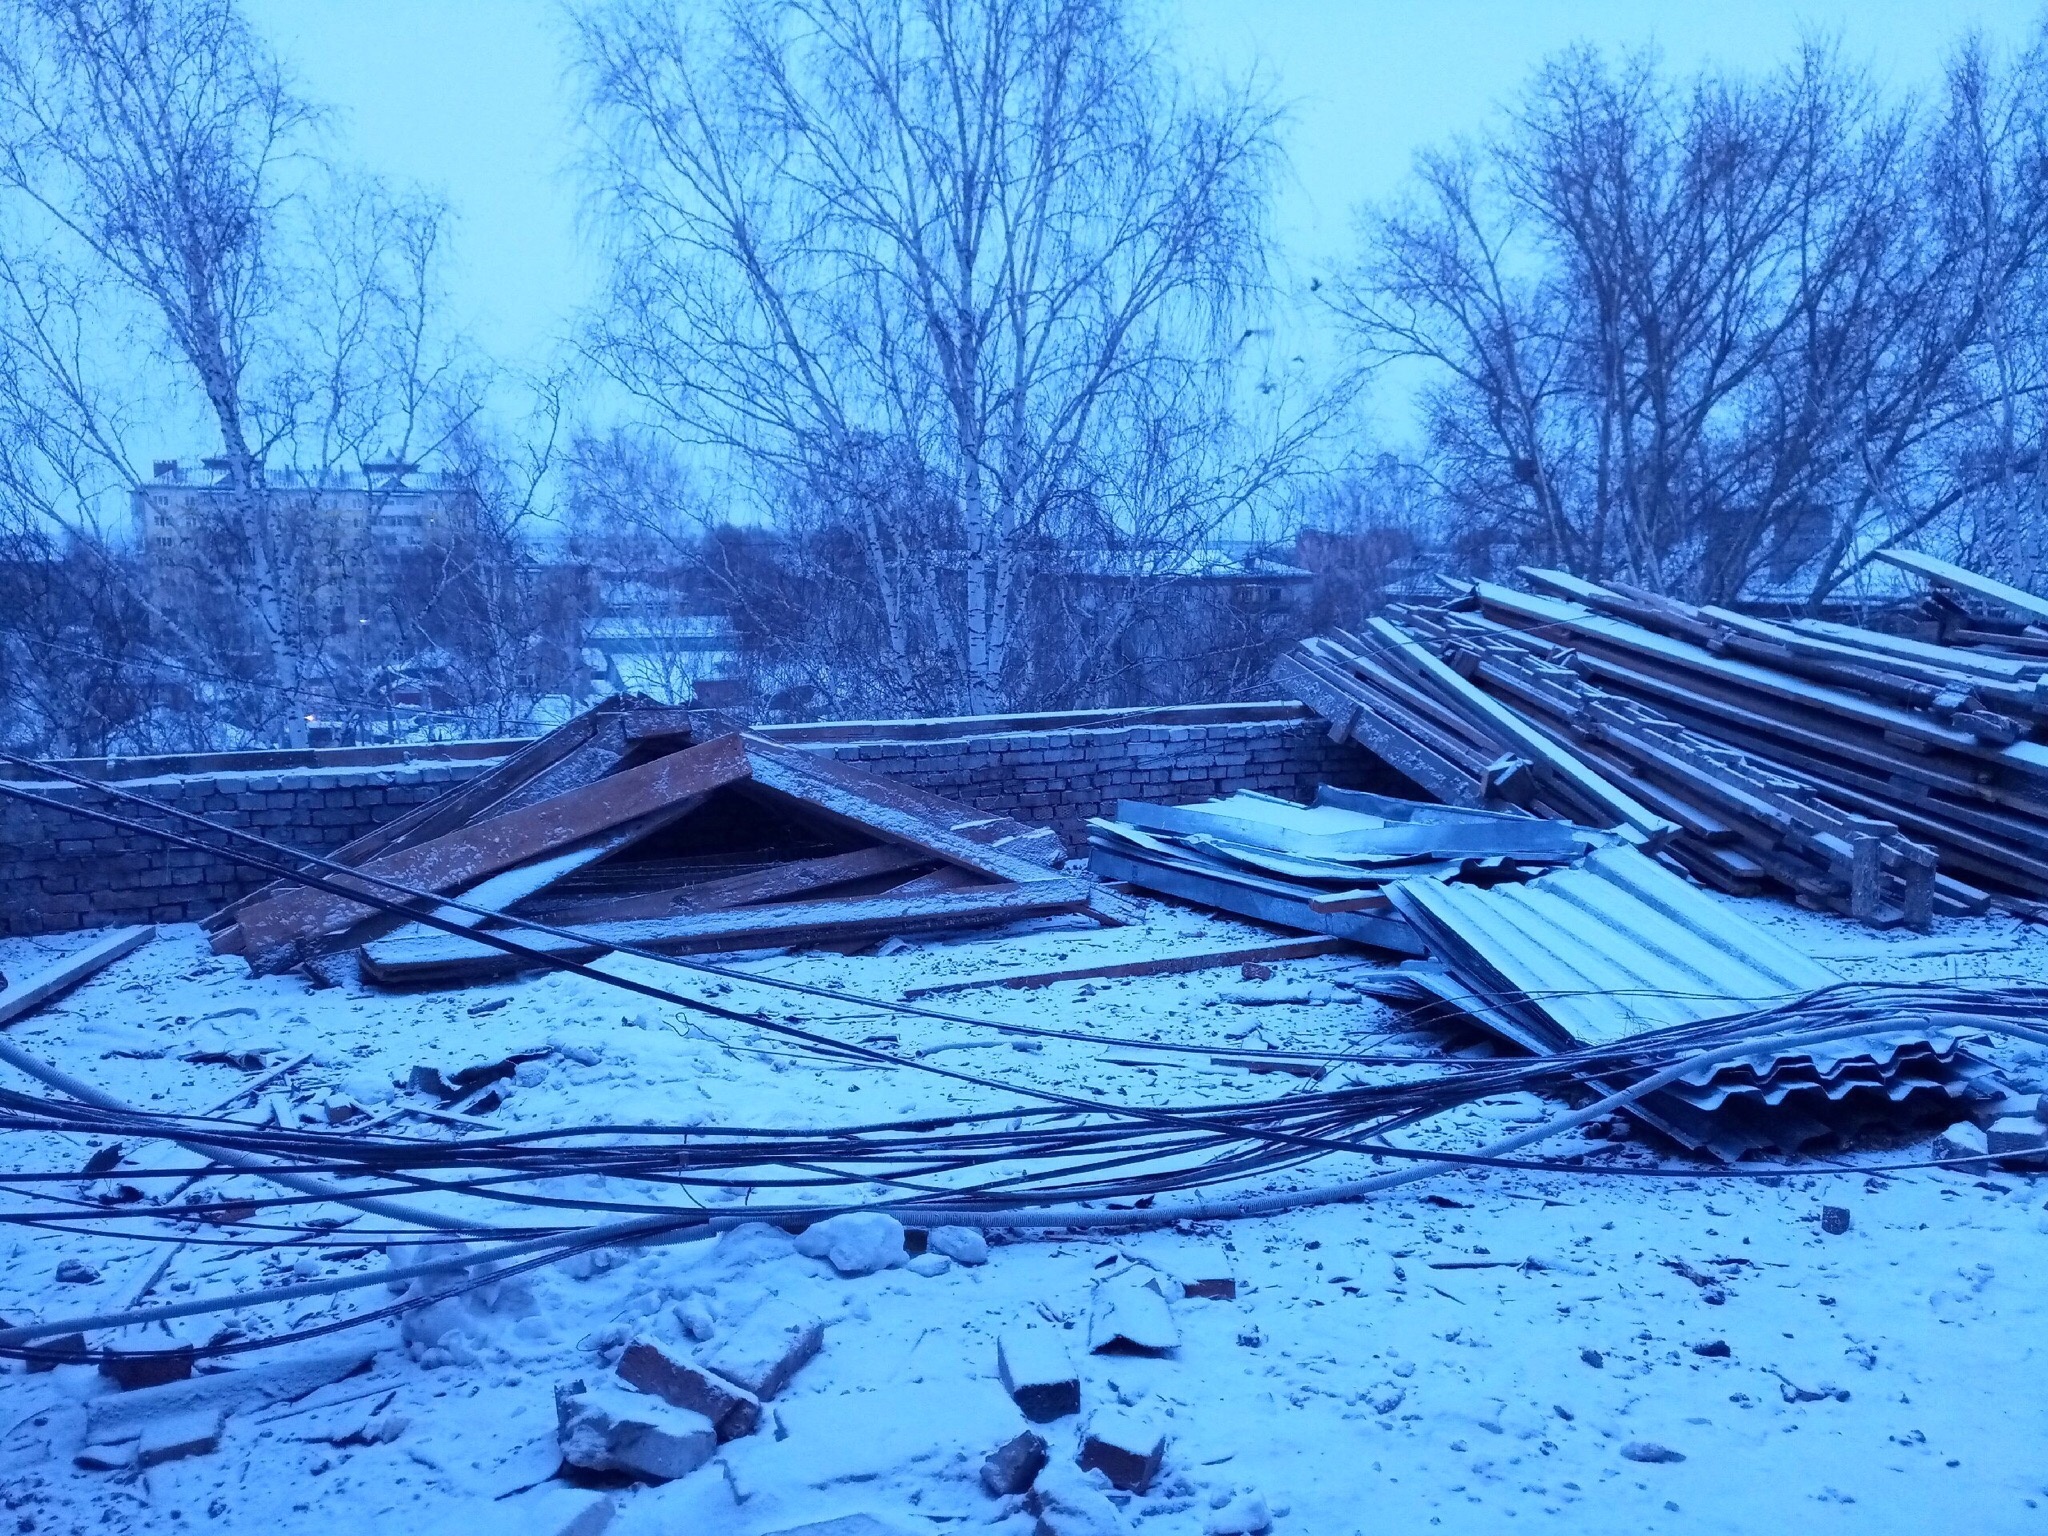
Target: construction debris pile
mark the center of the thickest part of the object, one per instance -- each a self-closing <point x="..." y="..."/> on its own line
<point x="1322" y="868"/>
<point x="1552" y="938"/>
<point x="662" y="1212"/>
<point x="620" y="831"/>
<point x="1884" y="776"/>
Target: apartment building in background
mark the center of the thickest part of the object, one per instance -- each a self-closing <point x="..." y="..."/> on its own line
<point x="344" y="541"/>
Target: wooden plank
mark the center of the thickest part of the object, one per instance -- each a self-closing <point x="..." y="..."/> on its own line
<point x="25" y="996"/>
<point x="446" y="812"/>
<point x="1539" y="745"/>
<point x="1723" y="714"/>
<point x="1954" y="576"/>
<point x="1997" y="669"/>
<point x="1154" y="965"/>
<point x="530" y="879"/>
<point x="439" y="959"/>
<point x="472" y="853"/>
<point x="947" y="877"/>
<point x="1005" y="834"/>
<point x="1263" y="906"/>
<point x="1358" y="721"/>
<point x="885" y="810"/>
<point x="1521" y="837"/>
<point x="2025" y="757"/>
<point x="1357" y="665"/>
<point x="797" y="878"/>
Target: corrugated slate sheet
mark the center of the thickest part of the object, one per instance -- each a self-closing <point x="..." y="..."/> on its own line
<point x="1618" y="946"/>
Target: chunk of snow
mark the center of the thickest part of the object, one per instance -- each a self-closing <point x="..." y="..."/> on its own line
<point x="963" y="1245"/>
<point x="857" y="1243"/>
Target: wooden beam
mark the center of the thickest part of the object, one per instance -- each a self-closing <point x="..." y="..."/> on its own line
<point x="24" y="997"/>
<point x="1941" y="573"/>
<point x="472" y="853"/>
<point x="1352" y="718"/>
<point x="1156" y="965"/>
<point x="991" y="829"/>
<point x="440" y="959"/>
<point x="447" y="812"/>
<point x="885" y="810"/>
<point x="779" y="882"/>
<point x="1556" y="759"/>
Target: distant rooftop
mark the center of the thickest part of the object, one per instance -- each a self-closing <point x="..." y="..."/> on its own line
<point x="384" y="475"/>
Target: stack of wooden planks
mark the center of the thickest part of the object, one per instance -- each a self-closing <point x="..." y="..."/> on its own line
<point x="1390" y="693"/>
<point x="1321" y="868"/>
<point x="1883" y="776"/>
<point x="619" y="829"/>
<point x="1746" y="825"/>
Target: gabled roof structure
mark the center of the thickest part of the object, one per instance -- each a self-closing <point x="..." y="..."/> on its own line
<point x="621" y="827"/>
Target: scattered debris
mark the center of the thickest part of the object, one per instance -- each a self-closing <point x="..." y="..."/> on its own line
<point x="963" y="1245"/>
<point x="177" y="1436"/>
<point x="1245" y="1515"/>
<point x="1619" y="946"/>
<point x="1650" y="1453"/>
<point x="448" y="1087"/>
<point x="1131" y="1315"/>
<point x="1322" y="868"/>
<point x="1014" y="1467"/>
<point x="732" y="1409"/>
<point x="2017" y="1137"/>
<point x="1068" y="1502"/>
<point x="770" y="1345"/>
<point x="1962" y="1140"/>
<point x="64" y="1349"/>
<point x="1038" y="1373"/>
<point x="118" y="1457"/>
<point x="1125" y="1448"/>
<point x="132" y="1370"/>
<point x="608" y="1429"/>
<point x="126" y="1415"/>
<point x="857" y="1243"/>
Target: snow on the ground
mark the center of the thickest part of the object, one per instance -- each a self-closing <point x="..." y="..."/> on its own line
<point x="1367" y="1378"/>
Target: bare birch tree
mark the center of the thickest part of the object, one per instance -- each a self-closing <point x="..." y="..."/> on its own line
<point x="1705" y="334"/>
<point x="151" y="134"/>
<point x="176" y="258"/>
<point x="970" y="281"/>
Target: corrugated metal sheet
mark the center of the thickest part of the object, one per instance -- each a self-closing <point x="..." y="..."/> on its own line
<point x="1618" y="946"/>
<point x="1615" y="946"/>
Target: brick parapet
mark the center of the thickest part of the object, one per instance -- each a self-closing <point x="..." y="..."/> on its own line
<point x="59" y="871"/>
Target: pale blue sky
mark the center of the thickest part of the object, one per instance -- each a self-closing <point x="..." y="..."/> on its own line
<point x="471" y="98"/>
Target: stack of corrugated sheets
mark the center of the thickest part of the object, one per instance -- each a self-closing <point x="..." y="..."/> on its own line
<point x="1617" y="947"/>
<point x="1321" y="868"/>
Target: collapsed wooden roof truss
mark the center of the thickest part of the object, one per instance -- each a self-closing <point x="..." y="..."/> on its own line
<point x="630" y="837"/>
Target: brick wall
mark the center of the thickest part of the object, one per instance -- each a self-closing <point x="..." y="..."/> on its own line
<point x="1060" y="778"/>
<point x="60" y="871"/>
